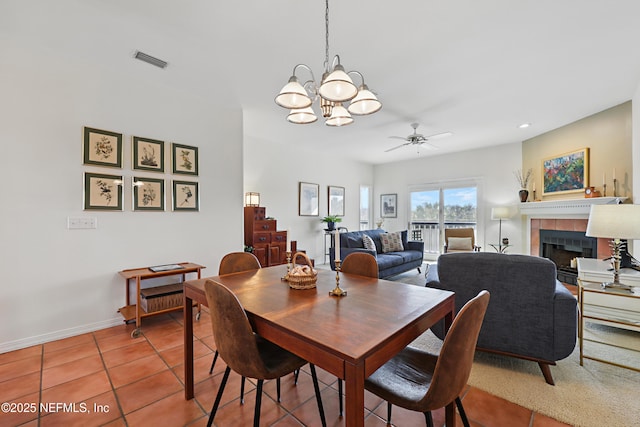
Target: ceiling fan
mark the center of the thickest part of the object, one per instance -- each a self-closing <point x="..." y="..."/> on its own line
<point x="418" y="139"/>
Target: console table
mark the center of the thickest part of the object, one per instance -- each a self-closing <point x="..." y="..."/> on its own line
<point x="611" y="307"/>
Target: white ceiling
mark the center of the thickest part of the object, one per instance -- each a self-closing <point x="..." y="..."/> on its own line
<point x="477" y="68"/>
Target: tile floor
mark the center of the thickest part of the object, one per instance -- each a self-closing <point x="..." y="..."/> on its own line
<point x="107" y="378"/>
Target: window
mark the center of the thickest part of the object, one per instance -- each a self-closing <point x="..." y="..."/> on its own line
<point x="365" y="207"/>
<point x="434" y="208"/>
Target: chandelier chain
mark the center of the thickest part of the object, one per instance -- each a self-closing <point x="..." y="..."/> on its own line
<point x="326" y="36"/>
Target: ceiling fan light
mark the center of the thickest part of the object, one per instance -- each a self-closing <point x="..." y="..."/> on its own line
<point x="338" y="86"/>
<point x="339" y="116"/>
<point x="364" y="103"/>
<point x="302" y="116"/>
<point x="293" y="95"/>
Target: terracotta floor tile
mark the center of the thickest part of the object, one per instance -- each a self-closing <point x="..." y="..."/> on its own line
<point x="175" y="355"/>
<point x="206" y="391"/>
<point x="141" y="393"/>
<point x="70" y="371"/>
<point x="19" y="386"/>
<point x="69" y="354"/>
<point x="84" y="340"/>
<point x="78" y="390"/>
<point x="166" y="340"/>
<point x="116" y="341"/>
<point x="135" y="350"/>
<point x="201" y="368"/>
<point x="95" y="411"/>
<point x="136" y="370"/>
<point x="540" y="420"/>
<point x="24" y="353"/>
<point x="20" y="367"/>
<point x="490" y="410"/>
<point x="28" y="413"/>
<point x="234" y="414"/>
<point x="170" y="411"/>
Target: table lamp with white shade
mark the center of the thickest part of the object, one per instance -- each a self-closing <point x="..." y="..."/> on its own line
<point x="616" y="222"/>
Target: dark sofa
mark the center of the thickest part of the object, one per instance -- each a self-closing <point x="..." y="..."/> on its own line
<point x="390" y="263"/>
<point x="531" y="315"/>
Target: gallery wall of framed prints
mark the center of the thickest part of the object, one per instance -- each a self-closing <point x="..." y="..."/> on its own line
<point x="108" y="191"/>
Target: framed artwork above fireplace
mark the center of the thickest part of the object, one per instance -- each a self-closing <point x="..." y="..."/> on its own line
<point x="566" y="173"/>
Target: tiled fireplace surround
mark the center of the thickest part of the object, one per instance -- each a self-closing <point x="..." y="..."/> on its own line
<point x="564" y="224"/>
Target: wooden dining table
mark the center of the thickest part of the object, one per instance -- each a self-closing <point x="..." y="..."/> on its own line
<point x="349" y="336"/>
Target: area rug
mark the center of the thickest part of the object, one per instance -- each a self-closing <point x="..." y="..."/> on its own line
<point x="593" y="395"/>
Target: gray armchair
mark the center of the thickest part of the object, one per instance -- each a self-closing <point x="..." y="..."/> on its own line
<point x="531" y="315"/>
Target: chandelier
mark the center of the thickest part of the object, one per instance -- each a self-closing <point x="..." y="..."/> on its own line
<point x="335" y="89"/>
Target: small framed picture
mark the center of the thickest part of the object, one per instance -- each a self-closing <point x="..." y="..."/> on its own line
<point x="336" y="201"/>
<point x="388" y="205"/>
<point x="148" y="154"/>
<point x="102" y="192"/>
<point x="308" y="199"/>
<point x="185" y="196"/>
<point x="148" y="194"/>
<point x="185" y="159"/>
<point x="102" y="148"/>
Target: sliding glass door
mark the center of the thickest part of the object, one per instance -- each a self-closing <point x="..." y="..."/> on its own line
<point x="436" y="207"/>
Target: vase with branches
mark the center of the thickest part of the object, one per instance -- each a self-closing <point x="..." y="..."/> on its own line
<point x="523" y="178"/>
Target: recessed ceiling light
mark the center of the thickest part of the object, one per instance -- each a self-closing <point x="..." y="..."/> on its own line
<point x="524" y="125"/>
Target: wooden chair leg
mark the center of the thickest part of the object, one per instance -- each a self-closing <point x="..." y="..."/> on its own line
<point x="256" y="413"/>
<point x="214" y="409"/>
<point x="546" y="371"/>
<point x="316" y="387"/>
<point x="463" y="415"/>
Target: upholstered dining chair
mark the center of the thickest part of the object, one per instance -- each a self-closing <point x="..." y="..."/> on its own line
<point x="235" y="262"/>
<point x="360" y="263"/>
<point x="247" y="353"/>
<point x="419" y="381"/>
<point x="460" y="240"/>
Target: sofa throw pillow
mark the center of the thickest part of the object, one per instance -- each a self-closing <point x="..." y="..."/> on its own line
<point x="459" y="244"/>
<point x="367" y="242"/>
<point x="391" y="242"/>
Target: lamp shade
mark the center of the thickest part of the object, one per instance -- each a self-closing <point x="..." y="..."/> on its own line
<point x="339" y="116"/>
<point x="500" y="212"/>
<point x="302" y="116"/>
<point x="614" y="221"/>
<point x="293" y="95"/>
<point x="252" y="199"/>
<point x="364" y="103"/>
<point x="338" y="86"/>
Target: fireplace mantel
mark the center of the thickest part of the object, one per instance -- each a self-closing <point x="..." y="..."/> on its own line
<point x="554" y="208"/>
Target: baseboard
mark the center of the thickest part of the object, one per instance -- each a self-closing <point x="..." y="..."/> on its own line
<point x="64" y="333"/>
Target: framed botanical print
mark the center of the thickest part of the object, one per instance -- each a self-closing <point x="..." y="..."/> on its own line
<point x="102" y="192"/>
<point x="185" y="159"/>
<point x="308" y="199"/>
<point x="336" y="201"/>
<point x="148" y="154"/>
<point x="566" y="173"/>
<point x="388" y="205"/>
<point x="102" y="148"/>
<point x="185" y="196"/>
<point x="148" y="194"/>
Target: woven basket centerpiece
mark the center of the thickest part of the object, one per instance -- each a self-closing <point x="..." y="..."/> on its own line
<point x="301" y="276"/>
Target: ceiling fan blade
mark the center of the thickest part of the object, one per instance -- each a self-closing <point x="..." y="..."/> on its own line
<point x="396" y="147"/>
<point x="439" y="135"/>
<point x="429" y="146"/>
<point x="404" y="138"/>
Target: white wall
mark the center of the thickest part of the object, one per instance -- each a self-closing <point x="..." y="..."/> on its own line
<point x="274" y="169"/>
<point x="492" y="168"/>
<point x="635" y="157"/>
<point x="59" y="282"/>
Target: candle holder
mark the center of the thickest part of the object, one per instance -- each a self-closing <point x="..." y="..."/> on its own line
<point x="534" y="195"/>
<point x="288" y="262"/>
<point x="604" y="190"/>
<point x="337" y="291"/>
<point x="615" y="181"/>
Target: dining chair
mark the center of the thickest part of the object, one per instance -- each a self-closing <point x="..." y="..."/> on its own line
<point x="235" y="262"/>
<point x="360" y="263"/>
<point x="247" y="353"/>
<point x="420" y="381"/>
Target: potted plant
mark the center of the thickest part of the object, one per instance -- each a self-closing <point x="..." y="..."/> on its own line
<point x="331" y="221"/>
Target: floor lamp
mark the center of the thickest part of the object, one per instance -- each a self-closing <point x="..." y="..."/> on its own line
<point x="500" y="213"/>
<point x="616" y="222"/>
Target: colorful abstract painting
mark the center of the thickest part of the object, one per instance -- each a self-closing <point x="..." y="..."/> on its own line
<point x="566" y="173"/>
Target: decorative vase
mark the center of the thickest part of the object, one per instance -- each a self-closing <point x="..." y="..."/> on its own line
<point x="524" y="195"/>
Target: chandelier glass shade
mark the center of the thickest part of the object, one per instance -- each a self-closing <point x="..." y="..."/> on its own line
<point x="335" y="89"/>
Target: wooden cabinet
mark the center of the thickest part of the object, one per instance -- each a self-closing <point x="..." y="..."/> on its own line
<point x="269" y="244"/>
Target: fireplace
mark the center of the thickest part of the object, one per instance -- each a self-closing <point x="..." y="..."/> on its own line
<point x="561" y="246"/>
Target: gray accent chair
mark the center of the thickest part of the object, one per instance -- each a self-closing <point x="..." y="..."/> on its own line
<point x="531" y="316"/>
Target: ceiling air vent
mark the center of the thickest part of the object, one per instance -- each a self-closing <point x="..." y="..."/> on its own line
<point x="150" y="59"/>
